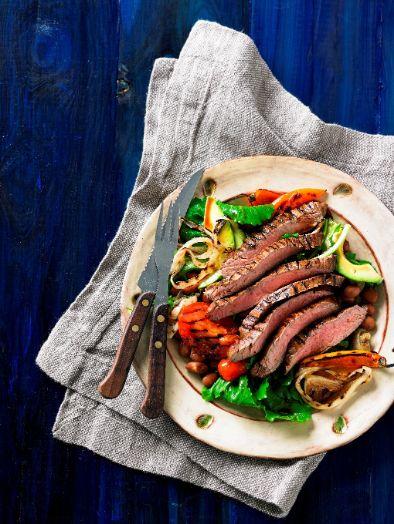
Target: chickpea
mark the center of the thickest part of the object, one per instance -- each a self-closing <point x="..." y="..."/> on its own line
<point x="196" y="357"/>
<point x="371" y="310"/>
<point x="370" y="295"/>
<point x="184" y="350"/>
<point x="369" y="323"/>
<point x="351" y="291"/>
<point x="199" y="368"/>
<point x="209" y="379"/>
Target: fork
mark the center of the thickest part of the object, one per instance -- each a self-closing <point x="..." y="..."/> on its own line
<point x="153" y="403"/>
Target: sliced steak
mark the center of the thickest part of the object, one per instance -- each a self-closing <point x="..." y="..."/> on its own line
<point x="297" y="220"/>
<point x="324" y="335"/>
<point x="268" y="258"/>
<point x="295" y="323"/>
<point x="252" y="340"/>
<point x="283" y="293"/>
<point x="283" y="275"/>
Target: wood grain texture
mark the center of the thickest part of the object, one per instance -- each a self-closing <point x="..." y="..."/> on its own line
<point x="153" y="403"/>
<point x="112" y="384"/>
<point x="70" y="151"/>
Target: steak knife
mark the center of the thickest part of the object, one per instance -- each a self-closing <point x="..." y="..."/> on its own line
<point x="167" y="238"/>
<point x="113" y="383"/>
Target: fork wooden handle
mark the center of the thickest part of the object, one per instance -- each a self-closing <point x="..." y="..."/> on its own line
<point x="113" y="383"/>
<point x="153" y="403"/>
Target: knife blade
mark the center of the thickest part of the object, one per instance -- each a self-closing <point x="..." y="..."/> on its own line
<point x="188" y="190"/>
<point x="183" y="199"/>
<point x="153" y="403"/>
<point x="113" y="383"/>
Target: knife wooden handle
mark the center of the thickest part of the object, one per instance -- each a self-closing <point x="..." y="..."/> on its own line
<point x="153" y="403"/>
<point x="113" y="383"/>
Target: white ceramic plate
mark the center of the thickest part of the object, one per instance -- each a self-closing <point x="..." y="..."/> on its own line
<point x="242" y="432"/>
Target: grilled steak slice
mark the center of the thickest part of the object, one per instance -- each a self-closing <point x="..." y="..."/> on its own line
<point x="324" y="335"/>
<point x="295" y="323"/>
<point x="252" y="340"/>
<point x="270" y="257"/>
<point x="298" y="220"/>
<point x="283" y="275"/>
<point x="286" y="292"/>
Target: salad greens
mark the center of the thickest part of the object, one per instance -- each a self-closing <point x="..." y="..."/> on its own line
<point x="187" y="268"/>
<point x="275" y="396"/>
<point x="247" y="215"/>
<point x="290" y="235"/>
<point x="329" y="229"/>
<point x="187" y="233"/>
<point x="171" y="301"/>
<point x="195" y="214"/>
<point x="334" y="235"/>
<point x="352" y="257"/>
<point x="196" y="210"/>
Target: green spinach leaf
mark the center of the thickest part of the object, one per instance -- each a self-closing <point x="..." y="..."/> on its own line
<point x="187" y="233"/>
<point x="216" y="390"/>
<point x="275" y="396"/>
<point x="196" y="210"/>
<point x="241" y="393"/>
<point x="247" y="215"/>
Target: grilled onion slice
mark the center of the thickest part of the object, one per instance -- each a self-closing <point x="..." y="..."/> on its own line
<point x="204" y="254"/>
<point x="328" y="388"/>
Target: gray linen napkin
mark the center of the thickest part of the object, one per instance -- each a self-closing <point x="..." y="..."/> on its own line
<point x="218" y="101"/>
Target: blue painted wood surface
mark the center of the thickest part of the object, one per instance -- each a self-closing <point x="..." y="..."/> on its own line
<point x="69" y="156"/>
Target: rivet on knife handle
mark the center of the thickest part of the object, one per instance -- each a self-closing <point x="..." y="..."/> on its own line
<point x="153" y="403"/>
<point x="113" y="383"/>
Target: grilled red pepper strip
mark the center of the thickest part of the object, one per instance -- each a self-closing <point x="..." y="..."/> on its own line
<point x="211" y="327"/>
<point x="297" y="198"/>
<point x="193" y="322"/>
<point x="349" y="359"/>
<point x="195" y="314"/>
<point x="184" y="329"/>
<point x="263" y="196"/>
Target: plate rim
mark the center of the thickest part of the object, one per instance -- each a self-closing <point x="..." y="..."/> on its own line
<point x="211" y="172"/>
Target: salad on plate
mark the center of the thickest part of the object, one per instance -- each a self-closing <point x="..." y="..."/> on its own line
<point x="269" y="304"/>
